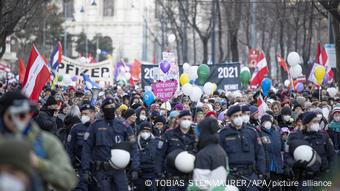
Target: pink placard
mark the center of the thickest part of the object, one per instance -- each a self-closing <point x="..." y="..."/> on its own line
<point x="164" y="90"/>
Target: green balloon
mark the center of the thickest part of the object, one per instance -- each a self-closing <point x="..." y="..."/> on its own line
<point x="245" y="77"/>
<point x="60" y="78"/>
<point x="203" y="73"/>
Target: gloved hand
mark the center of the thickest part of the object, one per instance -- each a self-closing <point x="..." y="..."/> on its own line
<point x="87" y="177"/>
<point x="300" y="164"/>
<point x="134" y="175"/>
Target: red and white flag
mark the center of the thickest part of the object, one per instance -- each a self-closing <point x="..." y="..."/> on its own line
<point x="261" y="69"/>
<point x="37" y="74"/>
<point x="323" y="60"/>
<point x="261" y="105"/>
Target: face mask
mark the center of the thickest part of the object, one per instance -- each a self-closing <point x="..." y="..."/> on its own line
<point x="315" y="127"/>
<point x="142" y="117"/>
<point x="185" y="124"/>
<point x="245" y="118"/>
<point x="84" y="119"/>
<point x="267" y="125"/>
<point x="109" y="113"/>
<point x="238" y="121"/>
<point x="286" y="118"/>
<point x="10" y="183"/>
<point x="145" y="135"/>
<point x="337" y="118"/>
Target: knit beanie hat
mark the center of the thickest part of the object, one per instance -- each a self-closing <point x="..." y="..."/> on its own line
<point x="336" y="108"/>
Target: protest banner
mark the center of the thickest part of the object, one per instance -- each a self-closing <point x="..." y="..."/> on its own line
<point x="101" y="71"/>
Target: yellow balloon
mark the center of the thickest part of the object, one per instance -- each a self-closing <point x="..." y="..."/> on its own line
<point x="319" y="74"/>
<point x="184" y="79"/>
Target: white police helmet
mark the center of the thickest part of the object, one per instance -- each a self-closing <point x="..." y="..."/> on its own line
<point x="184" y="162"/>
<point x="231" y="188"/>
<point x="306" y="153"/>
<point x="119" y="158"/>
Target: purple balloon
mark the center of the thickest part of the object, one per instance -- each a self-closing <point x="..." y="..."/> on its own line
<point x="221" y="116"/>
<point x="165" y="66"/>
<point x="299" y="87"/>
<point x="74" y="78"/>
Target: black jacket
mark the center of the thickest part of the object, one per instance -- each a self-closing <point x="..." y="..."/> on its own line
<point x="46" y="121"/>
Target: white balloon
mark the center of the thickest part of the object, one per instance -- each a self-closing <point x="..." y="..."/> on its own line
<point x="186" y="68"/>
<point x="186" y="89"/>
<point x="287" y="82"/>
<point x="295" y="71"/>
<point x="67" y="80"/>
<point x="193" y="73"/>
<point x="332" y="91"/>
<point x="195" y="94"/>
<point x="293" y="59"/>
<point x="208" y="88"/>
<point x="171" y="38"/>
<point x="106" y="75"/>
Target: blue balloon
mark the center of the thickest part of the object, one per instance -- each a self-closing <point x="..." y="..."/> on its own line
<point x="148" y="98"/>
<point x="266" y="84"/>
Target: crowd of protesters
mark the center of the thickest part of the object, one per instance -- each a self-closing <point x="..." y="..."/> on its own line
<point x="66" y="142"/>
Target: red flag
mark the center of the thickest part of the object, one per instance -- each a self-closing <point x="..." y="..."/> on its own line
<point x="282" y="63"/>
<point x="318" y="52"/>
<point x="36" y="75"/>
<point x="261" y="69"/>
<point x="21" y="70"/>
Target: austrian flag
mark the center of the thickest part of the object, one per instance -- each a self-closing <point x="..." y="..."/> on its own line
<point x="261" y="69"/>
<point x="37" y="74"/>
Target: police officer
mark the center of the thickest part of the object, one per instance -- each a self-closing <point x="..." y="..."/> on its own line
<point x="149" y="157"/>
<point x="244" y="149"/>
<point x="180" y="138"/>
<point x="75" y="141"/>
<point x="319" y="141"/>
<point x="246" y="115"/>
<point x="102" y="136"/>
<point x="273" y="145"/>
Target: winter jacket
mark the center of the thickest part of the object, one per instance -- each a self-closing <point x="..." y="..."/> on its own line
<point x="54" y="166"/>
<point x="46" y="121"/>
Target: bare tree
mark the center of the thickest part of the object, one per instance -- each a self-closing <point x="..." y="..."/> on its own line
<point x="12" y="13"/>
